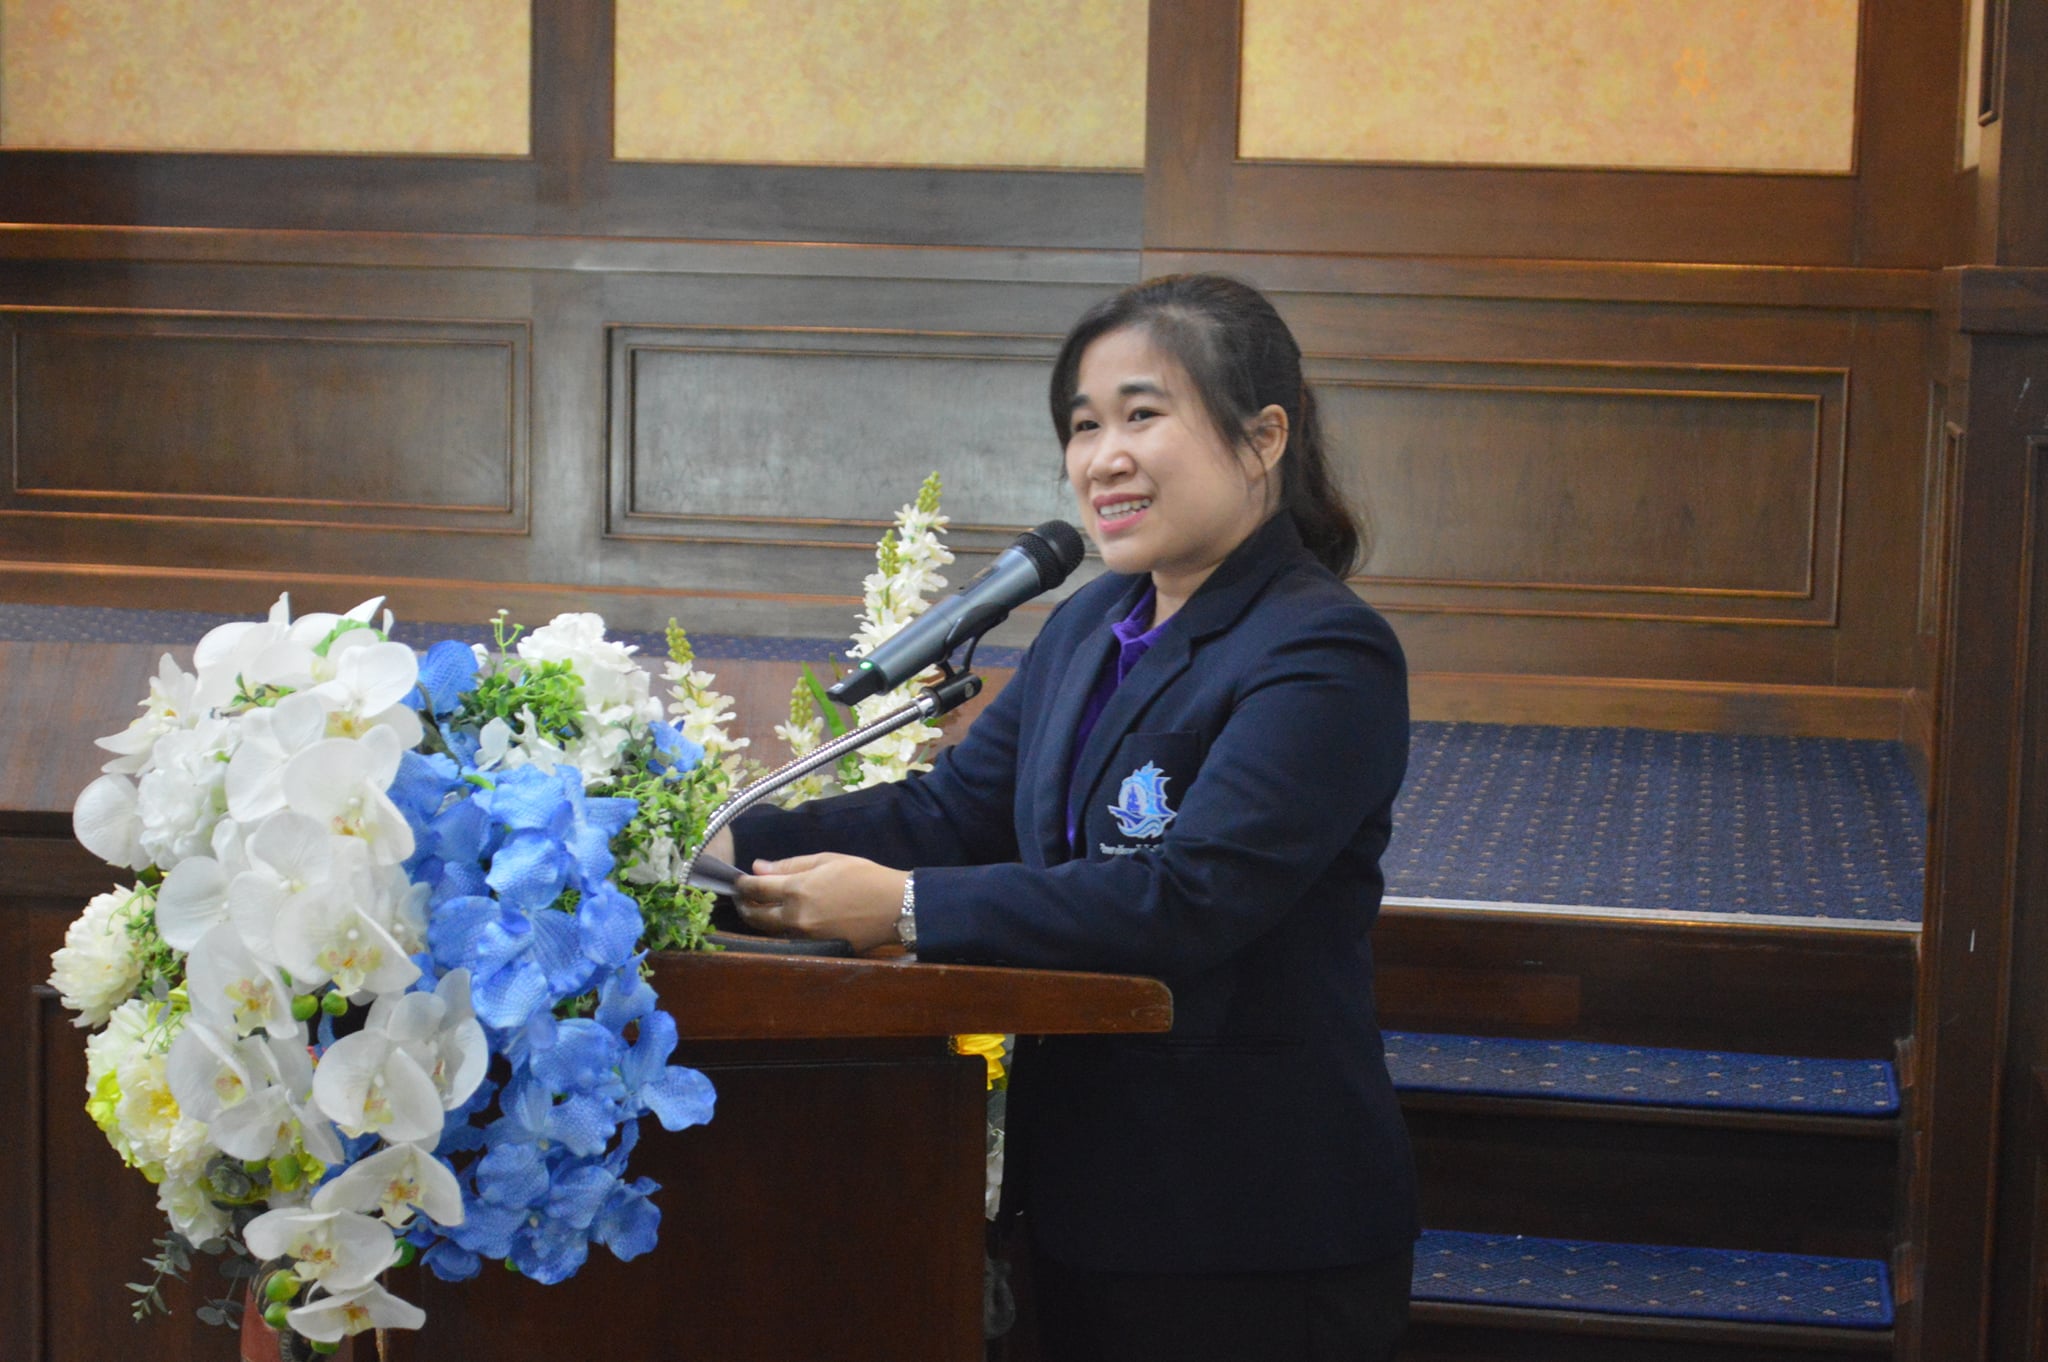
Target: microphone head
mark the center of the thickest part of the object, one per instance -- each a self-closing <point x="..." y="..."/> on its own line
<point x="1054" y="548"/>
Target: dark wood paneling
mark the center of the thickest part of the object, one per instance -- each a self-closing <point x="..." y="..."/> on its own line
<point x="1836" y="993"/>
<point x="239" y="417"/>
<point x="1695" y="706"/>
<point x="1978" y="1031"/>
<point x="713" y="433"/>
<point x="1893" y="211"/>
<point x="1594" y="490"/>
<point x="1511" y="1168"/>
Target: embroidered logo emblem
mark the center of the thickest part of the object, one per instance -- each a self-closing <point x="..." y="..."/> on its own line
<point x="1140" y="809"/>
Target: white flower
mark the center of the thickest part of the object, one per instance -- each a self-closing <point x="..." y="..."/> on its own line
<point x="170" y="706"/>
<point x="338" y="1250"/>
<point x="611" y="678"/>
<point x="231" y="988"/>
<point x="895" y="755"/>
<point x="98" y="967"/>
<point x="106" y="823"/>
<point x="154" y="1133"/>
<point x="394" y="1183"/>
<point x="270" y="738"/>
<point x="441" y="1033"/>
<point x="326" y="1318"/>
<point x="289" y="857"/>
<point x="349" y="929"/>
<point x="187" y="1203"/>
<point x="192" y="901"/>
<point x="704" y="713"/>
<point x="417" y="1056"/>
<point x="183" y="794"/>
<point x="371" y="679"/>
<point x="341" y="783"/>
<point x="252" y="1094"/>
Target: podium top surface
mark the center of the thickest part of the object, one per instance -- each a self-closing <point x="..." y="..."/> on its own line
<point x="732" y="996"/>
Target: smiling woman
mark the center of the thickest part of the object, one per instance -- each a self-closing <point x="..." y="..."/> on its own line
<point x="1191" y="776"/>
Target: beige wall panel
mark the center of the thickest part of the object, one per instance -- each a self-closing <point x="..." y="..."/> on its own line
<point x="1032" y="83"/>
<point x="266" y="75"/>
<point x="1703" y="85"/>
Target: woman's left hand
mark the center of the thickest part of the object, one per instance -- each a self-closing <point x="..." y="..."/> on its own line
<point x="824" y="895"/>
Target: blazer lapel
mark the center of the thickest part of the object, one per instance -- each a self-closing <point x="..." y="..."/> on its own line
<point x="1215" y="606"/>
<point x="1050" y="763"/>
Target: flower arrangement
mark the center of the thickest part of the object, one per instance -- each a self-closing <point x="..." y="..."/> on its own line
<point x="377" y="991"/>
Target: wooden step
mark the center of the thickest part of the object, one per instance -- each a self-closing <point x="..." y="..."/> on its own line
<point x="1698" y="983"/>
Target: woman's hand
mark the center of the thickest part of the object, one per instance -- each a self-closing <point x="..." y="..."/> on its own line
<point x="720" y="846"/>
<point x="824" y="895"/>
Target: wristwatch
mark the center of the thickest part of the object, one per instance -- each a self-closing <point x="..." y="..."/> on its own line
<point x="906" y="921"/>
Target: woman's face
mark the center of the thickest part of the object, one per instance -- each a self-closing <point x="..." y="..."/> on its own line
<point x="1160" y="489"/>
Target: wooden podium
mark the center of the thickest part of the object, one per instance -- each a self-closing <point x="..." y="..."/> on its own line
<point x="833" y="1207"/>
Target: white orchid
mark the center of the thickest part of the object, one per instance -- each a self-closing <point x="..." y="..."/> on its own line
<point x="105" y="821"/>
<point x="394" y="1183"/>
<point x="98" y="966"/>
<point x="231" y="988"/>
<point x="170" y="706"/>
<point x="439" y="1030"/>
<point x="350" y="930"/>
<point x="371" y="680"/>
<point x="418" y="1056"/>
<point x="253" y="1093"/>
<point x="341" y="783"/>
<point x="289" y="858"/>
<point x="271" y="737"/>
<point x="338" y="1250"/>
<point x="326" y="1318"/>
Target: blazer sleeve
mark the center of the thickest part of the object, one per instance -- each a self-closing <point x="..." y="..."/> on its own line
<point x="1314" y="746"/>
<point x="958" y="813"/>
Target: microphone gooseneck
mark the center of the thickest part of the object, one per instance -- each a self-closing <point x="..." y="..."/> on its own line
<point x="1037" y="561"/>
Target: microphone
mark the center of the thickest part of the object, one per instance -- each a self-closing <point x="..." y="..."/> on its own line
<point x="1037" y="561"/>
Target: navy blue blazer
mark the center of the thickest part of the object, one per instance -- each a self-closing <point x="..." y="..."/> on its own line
<point x="1238" y="792"/>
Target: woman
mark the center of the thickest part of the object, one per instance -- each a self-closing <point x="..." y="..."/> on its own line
<point x="1190" y="776"/>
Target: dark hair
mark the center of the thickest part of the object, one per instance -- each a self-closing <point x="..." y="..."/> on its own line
<point x="1242" y="359"/>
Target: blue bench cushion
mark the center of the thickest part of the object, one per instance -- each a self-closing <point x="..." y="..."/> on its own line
<point x="1644" y="1279"/>
<point x="1687" y="822"/>
<point x="1585" y="1072"/>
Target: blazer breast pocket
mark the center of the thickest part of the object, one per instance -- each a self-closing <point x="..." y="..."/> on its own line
<point x="1133" y="807"/>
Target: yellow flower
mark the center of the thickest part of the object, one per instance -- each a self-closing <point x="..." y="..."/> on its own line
<point x="990" y="1048"/>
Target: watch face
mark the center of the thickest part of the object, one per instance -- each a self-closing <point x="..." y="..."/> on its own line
<point x="906" y="928"/>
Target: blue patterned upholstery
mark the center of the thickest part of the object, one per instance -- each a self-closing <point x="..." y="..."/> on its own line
<point x="1584" y="1072"/>
<point x="1643" y="1279"/>
<point x="1633" y="818"/>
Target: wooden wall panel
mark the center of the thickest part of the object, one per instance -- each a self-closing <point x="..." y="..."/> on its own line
<point x="1715" y="480"/>
<point x="1595" y="490"/>
<point x="792" y="437"/>
<point x="238" y="417"/>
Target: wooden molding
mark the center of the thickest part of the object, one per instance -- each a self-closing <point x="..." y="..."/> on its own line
<point x="1685" y="706"/>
